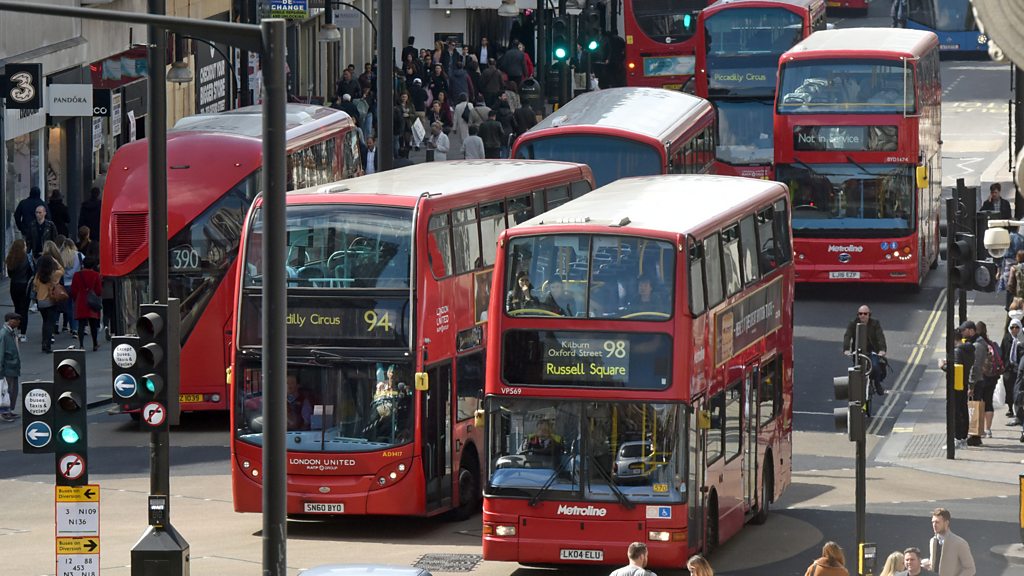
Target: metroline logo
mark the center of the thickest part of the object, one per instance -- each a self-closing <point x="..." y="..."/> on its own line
<point x="847" y="248"/>
<point x="582" y="511"/>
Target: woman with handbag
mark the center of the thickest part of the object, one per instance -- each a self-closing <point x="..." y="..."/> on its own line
<point x="86" y="293"/>
<point x="50" y="295"/>
<point x="19" y="270"/>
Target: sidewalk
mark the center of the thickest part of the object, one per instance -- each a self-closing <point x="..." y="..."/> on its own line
<point x="918" y="438"/>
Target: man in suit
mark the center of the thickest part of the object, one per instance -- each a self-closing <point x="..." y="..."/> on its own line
<point x="950" y="555"/>
<point x="368" y="155"/>
<point x="996" y="203"/>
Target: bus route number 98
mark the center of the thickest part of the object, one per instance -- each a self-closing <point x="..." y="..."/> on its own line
<point x="615" y="348"/>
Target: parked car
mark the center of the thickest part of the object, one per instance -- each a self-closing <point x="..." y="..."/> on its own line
<point x="634" y="462"/>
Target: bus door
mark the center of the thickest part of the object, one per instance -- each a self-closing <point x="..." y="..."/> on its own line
<point x="750" y="419"/>
<point x="697" y="499"/>
<point x="436" y="430"/>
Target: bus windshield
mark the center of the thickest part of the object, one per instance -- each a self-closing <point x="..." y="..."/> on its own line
<point x="943" y="15"/>
<point x="846" y="86"/>
<point x="745" y="132"/>
<point x="743" y="49"/>
<point x="842" y="197"/>
<point x="339" y="246"/>
<point x="594" y="451"/>
<point x="667" y="21"/>
<point x="350" y="406"/>
<point x="609" y="157"/>
<point x="590" y="276"/>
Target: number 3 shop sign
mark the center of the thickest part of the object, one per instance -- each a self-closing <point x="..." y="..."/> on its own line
<point x="24" y="86"/>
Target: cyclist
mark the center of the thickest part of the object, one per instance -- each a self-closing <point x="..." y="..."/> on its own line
<point x="875" y="344"/>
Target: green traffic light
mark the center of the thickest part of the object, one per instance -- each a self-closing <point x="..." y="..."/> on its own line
<point x="592" y="45"/>
<point x="686" y="20"/>
<point x="150" y="385"/>
<point x="69" y="435"/>
<point x="560" y="52"/>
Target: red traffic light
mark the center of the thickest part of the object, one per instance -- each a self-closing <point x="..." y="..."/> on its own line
<point x="69" y="369"/>
<point x="148" y="325"/>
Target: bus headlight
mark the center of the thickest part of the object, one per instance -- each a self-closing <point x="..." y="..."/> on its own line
<point x="982" y="39"/>
<point x="389" y="474"/>
<point x="659" y="536"/>
<point x="504" y="530"/>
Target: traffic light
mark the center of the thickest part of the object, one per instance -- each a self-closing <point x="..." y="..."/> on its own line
<point x="159" y="349"/>
<point x="71" y="434"/>
<point x="590" y="26"/>
<point x="126" y="373"/>
<point x="962" y="260"/>
<point x="560" y="39"/>
<point x="852" y="389"/>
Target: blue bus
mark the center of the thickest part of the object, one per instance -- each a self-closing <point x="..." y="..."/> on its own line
<point x="952" y="21"/>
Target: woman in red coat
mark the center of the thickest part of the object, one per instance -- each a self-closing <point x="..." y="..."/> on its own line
<point x="84" y="281"/>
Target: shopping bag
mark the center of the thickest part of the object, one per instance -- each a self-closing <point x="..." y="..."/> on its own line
<point x="999" y="396"/>
<point x="5" y="394"/>
<point x="975" y="410"/>
<point x="418" y="132"/>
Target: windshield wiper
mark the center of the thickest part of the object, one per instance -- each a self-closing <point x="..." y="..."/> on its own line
<point x="611" y="484"/>
<point x="808" y="168"/>
<point x="863" y="169"/>
<point x="551" y="480"/>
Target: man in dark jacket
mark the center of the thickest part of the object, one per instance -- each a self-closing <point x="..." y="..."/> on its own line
<point x="491" y="84"/>
<point x="348" y="107"/>
<point x="347" y="85"/>
<point x="59" y="213"/>
<point x="525" y="118"/>
<point x="875" y="342"/>
<point x="89" y="214"/>
<point x="964" y="354"/>
<point x="493" y="135"/>
<point x="458" y="81"/>
<point x="40" y="230"/>
<point x="513" y="63"/>
<point x="25" y="213"/>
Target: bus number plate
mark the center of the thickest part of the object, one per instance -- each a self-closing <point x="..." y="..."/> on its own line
<point x="318" y="508"/>
<point x="592" y="555"/>
<point x="190" y="398"/>
<point x="844" y="275"/>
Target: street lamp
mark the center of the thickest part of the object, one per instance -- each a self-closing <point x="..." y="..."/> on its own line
<point x="329" y="31"/>
<point x="180" y="72"/>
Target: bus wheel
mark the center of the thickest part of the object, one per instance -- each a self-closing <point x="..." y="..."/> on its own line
<point x="469" y="489"/>
<point x="767" y="489"/>
<point x="711" y="532"/>
<point x="136" y="415"/>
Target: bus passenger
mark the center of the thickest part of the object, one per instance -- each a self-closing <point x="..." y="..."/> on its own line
<point x="522" y="295"/>
<point x="300" y="407"/>
<point x="647" y="298"/>
<point x="557" y="299"/>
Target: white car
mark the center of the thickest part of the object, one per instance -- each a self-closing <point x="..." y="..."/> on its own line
<point x="634" y="462"/>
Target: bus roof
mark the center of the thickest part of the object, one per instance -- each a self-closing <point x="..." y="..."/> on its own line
<point x="300" y="119"/>
<point x="640" y="110"/>
<point x="675" y="203"/>
<point x="864" y="42"/>
<point x="724" y="4"/>
<point x="442" y="178"/>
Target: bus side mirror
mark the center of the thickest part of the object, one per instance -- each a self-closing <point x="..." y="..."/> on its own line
<point x="704" y="420"/>
<point x="922" y="176"/>
<point x="422" y="382"/>
<point x="478" y="418"/>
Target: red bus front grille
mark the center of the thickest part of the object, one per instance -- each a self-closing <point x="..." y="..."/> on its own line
<point x="131" y="233"/>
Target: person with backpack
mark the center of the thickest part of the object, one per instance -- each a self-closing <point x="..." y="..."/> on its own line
<point x="875" y="343"/>
<point x="992" y="368"/>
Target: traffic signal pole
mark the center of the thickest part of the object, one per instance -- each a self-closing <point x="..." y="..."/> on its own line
<point x="950" y="331"/>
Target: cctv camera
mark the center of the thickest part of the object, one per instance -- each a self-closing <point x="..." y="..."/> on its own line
<point x="997" y="241"/>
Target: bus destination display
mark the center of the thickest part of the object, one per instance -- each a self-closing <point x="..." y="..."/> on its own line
<point x="578" y="358"/>
<point x="340" y="322"/>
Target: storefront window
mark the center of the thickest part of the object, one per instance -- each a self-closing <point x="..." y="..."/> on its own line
<point x="22" y="172"/>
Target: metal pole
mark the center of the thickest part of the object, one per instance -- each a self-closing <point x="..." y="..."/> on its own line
<point x="245" y="14"/>
<point x="564" y="81"/>
<point x="543" y="59"/>
<point x="275" y="304"/>
<point x="156" y="133"/>
<point x="1017" y="129"/>
<point x="950" y="332"/>
<point x="860" y="337"/>
<point x="385" y="87"/>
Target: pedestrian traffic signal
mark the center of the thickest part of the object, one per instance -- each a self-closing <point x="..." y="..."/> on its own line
<point x="158" y="352"/>
<point x="71" y="439"/>
<point x="962" y="260"/>
<point x="851" y="388"/>
<point x="560" y="39"/>
<point x="590" y="26"/>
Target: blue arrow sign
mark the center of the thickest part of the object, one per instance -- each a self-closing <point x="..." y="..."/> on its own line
<point x="125" y="385"/>
<point x="38" y="434"/>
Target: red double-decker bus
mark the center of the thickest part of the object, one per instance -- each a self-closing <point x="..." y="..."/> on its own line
<point x="621" y="132"/>
<point x="858" y="6"/>
<point x="660" y="41"/>
<point x="857" y="140"/>
<point x="738" y="47"/>
<point x="214" y="163"/>
<point x="389" y="277"/>
<point x="642" y="391"/>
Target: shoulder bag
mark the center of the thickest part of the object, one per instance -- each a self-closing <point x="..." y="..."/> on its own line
<point x="58" y="294"/>
<point x="94" y="301"/>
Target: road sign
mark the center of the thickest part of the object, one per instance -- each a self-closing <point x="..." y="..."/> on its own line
<point x="78" y="545"/>
<point x="71" y="466"/>
<point x="78" y="519"/>
<point x="125" y="355"/>
<point x="38" y="401"/>
<point x="77" y="511"/>
<point x="78" y="564"/>
<point x="154" y="414"/>
<point x="38" y="434"/>
<point x="125" y="385"/>
<point x="83" y="493"/>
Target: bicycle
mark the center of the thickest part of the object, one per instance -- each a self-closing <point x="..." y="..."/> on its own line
<point x="872" y="381"/>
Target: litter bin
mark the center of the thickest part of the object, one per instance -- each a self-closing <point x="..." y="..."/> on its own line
<point x="530" y="93"/>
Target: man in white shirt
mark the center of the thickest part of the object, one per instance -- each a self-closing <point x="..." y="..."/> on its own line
<point x="370" y="156"/>
<point x="439" y="142"/>
<point x="637" y="566"/>
<point x="484" y="51"/>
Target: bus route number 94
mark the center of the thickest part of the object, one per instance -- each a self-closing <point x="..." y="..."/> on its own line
<point x="376" y="321"/>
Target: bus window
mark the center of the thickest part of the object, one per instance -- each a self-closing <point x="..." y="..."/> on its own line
<point x="716" y="432"/>
<point x="733" y="422"/>
<point x="579" y="188"/>
<point x="492" y="222"/>
<point x="731" y="259"/>
<point x="781" y="225"/>
<point x="713" y="270"/>
<point x="440" y="248"/>
<point x="467" y="240"/>
<point x="696" y="284"/>
<point x="557" y="196"/>
<point x="469" y="384"/>
<point x="748" y="245"/>
<point x="767" y="258"/>
<point x="520" y="210"/>
<point x="769" y="394"/>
